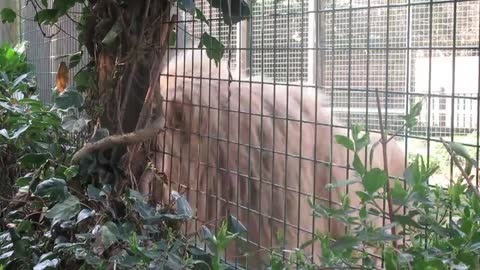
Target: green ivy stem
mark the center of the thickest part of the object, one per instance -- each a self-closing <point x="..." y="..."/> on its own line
<point x="385" y="163"/>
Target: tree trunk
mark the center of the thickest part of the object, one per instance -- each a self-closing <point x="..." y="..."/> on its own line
<point x="128" y="68"/>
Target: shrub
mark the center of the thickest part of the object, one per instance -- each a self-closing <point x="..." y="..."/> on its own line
<point x="79" y="217"/>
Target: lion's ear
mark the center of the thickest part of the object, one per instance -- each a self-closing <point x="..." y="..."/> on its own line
<point x="62" y="77"/>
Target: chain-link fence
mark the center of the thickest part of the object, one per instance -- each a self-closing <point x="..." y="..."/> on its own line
<point x="407" y="50"/>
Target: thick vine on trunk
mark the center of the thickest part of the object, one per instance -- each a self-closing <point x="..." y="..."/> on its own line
<point x="127" y="44"/>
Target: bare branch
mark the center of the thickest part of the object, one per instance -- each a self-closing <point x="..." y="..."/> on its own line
<point x="125" y="139"/>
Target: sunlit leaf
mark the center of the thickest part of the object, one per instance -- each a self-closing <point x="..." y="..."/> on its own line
<point x="374" y="180"/>
<point x="47" y="264"/>
<point x="71" y="171"/>
<point x="15" y="134"/>
<point x="345" y="142"/>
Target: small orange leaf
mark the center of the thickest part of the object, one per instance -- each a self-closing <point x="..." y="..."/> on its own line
<point x="62" y="77"/>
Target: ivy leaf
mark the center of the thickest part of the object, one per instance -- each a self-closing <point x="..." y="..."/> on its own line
<point x="94" y="193"/>
<point x="24" y="180"/>
<point x="33" y="160"/>
<point x="75" y="59"/>
<point x="64" y="210"/>
<point x="71" y="98"/>
<point x="19" y="79"/>
<point x="85" y="214"/>
<point x="7" y="15"/>
<point x="83" y="79"/>
<point x="374" y="180"/>
<point x="47" y="264"/>
<point x="235" y="226"/>
<point x="345" y="142"/>
<point x="15" y="134"/>
<point x="74" y="124"/>
<point x="109" y="232"/>
<point x="53" y="187"/>
<point x="206" y="235"/>
<point x="183" y="207"/>
<point x="46" y="16"/>
<point x="71" y="171"/>
<point x="215" y="49"/>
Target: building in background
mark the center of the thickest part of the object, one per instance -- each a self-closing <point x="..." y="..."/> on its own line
<point x="347" y="48"/>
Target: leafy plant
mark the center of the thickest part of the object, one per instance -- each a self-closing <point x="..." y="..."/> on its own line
<point x="439" y="228"/>
<point x="77" y="216"/>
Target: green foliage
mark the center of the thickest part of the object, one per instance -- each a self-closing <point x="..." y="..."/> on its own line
<point x="7" y="15"/>
<point x="79" y="216"/>
<point x="215" y="49"/>
<point x="439" y="227"/>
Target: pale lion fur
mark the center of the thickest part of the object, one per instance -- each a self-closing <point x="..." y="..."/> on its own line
<point x="231" y="149"/>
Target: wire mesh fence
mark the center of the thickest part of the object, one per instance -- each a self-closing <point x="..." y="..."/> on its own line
<point x="48" y="46"/>
<point x="407" y="50"/>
